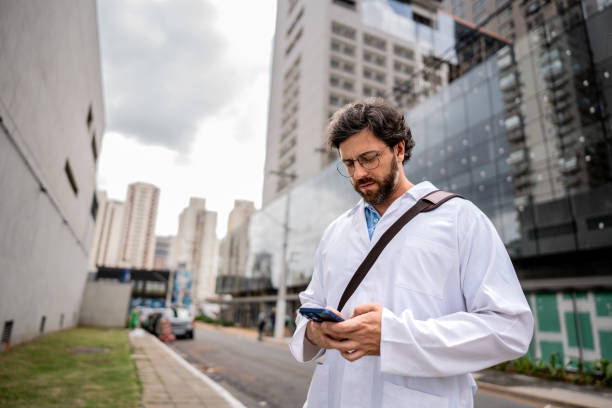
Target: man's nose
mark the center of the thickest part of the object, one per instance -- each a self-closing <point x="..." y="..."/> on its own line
<point x="360" y="171"/>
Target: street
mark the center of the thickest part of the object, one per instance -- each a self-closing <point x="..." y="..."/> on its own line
<point x="265" y="374"/>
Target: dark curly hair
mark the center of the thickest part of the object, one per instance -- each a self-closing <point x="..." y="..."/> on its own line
<point x="374" y="114"/>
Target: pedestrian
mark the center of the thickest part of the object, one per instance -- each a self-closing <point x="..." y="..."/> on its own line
<point x="272" y="320"/>
<point x="261" y="324"/>
<point x="442" y="299"/>
<point x="134" y="318"/>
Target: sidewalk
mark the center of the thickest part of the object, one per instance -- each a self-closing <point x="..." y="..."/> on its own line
<point x="539" y="390"/>
<point x="169" y="381"/>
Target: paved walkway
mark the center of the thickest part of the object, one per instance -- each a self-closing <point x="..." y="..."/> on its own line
<point x="169" y="381"/>
<point x="554" y="393"/>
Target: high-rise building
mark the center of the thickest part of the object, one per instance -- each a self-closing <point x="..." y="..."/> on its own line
<point x="138" y="236"/>
<point x="329" y="53"/>
<point x="233" y="249"/>
<point x="106" y="248"/>
<point x="240" y="214"/>
<point x="51" y="127"/>
<point x="164" y="245"/>
<point x="196" y="248"/>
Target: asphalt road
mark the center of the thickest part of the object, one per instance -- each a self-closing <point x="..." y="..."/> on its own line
<point x="265" y="374"/>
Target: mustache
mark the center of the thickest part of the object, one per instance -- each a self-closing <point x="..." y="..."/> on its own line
<point x="363" y="181"/>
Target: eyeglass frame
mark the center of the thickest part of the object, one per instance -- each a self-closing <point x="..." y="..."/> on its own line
<point x="358" y="159"/>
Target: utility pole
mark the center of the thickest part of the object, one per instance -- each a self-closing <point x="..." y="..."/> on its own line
<point x="281" y="300"/>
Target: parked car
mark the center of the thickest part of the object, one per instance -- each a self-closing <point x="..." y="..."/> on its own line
<point x="149" y="323"/>
<point x="180" y="319"/>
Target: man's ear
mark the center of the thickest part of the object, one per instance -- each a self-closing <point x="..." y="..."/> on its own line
<point x="401" y="149"/>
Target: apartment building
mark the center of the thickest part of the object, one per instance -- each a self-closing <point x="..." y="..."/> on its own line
<point x="106" y="248"/>
<point x="329" y="53"/>
<point x="195" y="248"/>
<point x="233" y="249"/>
<point x="138" y="235"/>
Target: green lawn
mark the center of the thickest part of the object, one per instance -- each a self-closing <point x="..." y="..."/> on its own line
<point x="60" y="369"/>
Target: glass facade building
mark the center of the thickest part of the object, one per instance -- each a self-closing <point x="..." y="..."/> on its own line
<point x="523" y="131"/>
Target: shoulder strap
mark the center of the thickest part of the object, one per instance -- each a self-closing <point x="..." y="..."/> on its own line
<point x="428" y="203"/>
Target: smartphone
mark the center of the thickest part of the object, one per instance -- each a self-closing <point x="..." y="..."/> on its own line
<point x="320" y="315"/>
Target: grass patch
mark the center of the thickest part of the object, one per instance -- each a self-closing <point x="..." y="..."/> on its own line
<point x="80" y="367"/>
<point x="210" y="320"/>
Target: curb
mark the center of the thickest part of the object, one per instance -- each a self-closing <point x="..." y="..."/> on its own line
<point x="231" y="400"/>
<point x="532" y="396"/>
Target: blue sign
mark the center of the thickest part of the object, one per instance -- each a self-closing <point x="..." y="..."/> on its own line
<point x="181" y="290"/>
<point x="126" y="275"/>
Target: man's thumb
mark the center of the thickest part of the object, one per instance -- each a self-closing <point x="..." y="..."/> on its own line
<point x="365" y="308"/>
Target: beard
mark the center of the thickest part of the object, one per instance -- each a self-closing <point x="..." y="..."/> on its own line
<point x="385" y="186"/>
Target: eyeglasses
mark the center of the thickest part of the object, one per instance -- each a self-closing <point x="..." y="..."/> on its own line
<point x="368" y="160"/>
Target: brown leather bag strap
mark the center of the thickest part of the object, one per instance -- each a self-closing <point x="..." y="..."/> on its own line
<point x="428" y="203"/>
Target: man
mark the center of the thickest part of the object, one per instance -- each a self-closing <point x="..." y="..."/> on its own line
<point x="441" y="301"/>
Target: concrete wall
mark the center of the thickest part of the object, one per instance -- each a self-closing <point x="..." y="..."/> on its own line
<point x="50" y="79"/>
<point x="105" y="304"/>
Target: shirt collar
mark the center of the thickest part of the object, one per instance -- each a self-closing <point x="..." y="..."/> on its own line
<point x="370" y="207"/>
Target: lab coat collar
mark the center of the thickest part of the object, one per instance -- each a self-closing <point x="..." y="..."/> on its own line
<point x="416" y="192"/>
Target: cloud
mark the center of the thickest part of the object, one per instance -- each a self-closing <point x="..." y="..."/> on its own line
<point x="163" y="58"/>
<point x="165" y="67"/>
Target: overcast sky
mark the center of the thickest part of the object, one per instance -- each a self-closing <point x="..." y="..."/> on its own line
<point x="186" y="86"/>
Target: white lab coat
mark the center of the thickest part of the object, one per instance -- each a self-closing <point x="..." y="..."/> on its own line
<point x="452" y="305"/>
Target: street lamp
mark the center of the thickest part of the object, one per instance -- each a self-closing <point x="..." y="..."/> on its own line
<point x="281" y="300"/>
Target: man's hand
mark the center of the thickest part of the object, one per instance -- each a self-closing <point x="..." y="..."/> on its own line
<point x="360" y="334"/>
<point x="315" y="335"/>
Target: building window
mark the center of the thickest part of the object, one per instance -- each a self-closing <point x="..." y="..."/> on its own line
<point x="339" y="100"/>
<point x="371" y="91"/>
<point x="402" y="67"/>
<point x="420" y="19"/>
<point x="343" y="31"/>
<point x="349" y="4"/>
<point x="93" y="210"/>
<point x="334" y="100"/>
<point x="403" y="52"/>
<point x="294" y="42"/>
<point x="342" y="65"/>
<point x="479" y="6"/>
<point x="89" y="119"/>
<point x="292" y="4"/>
<point x="374" y="75"/>
<point x="374" y="58"/>
<point x="339" y="46"/>
<point x="70" y="177"/>
<point x="295" y="22"/>
<point x="94" y="147"/>
<point x="339" y="82"/>
<point x="374" y="41"/>
<point x="6" y="332"/>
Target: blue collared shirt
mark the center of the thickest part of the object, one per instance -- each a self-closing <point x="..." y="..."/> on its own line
<point x="372" y="218"/>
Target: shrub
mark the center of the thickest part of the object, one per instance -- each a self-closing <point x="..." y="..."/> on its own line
<point x="210" y="320"/>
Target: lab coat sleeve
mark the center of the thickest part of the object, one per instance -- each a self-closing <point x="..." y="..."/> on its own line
<point x="495" y="326"/>
<point x="301" y="348"/>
